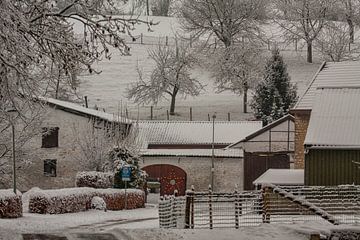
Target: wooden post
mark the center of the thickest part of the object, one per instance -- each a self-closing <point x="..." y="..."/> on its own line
<point x="86" y="101"/>
<point x="349" y="46"/>
<point x="126" y="113"/>
<point x="296" y="44"/>
<point x="167" y="115"/>
<point x="210" y="209"/>
<point x="236" y="195"/>
<point x="268" y="43"/>
<point x="191" y="114"/>
<point x="151" y="112"/>
<point x="229" y="117"/>
<point x="190" y="40"/>
<point x="166" y="40"/>
<point x="141" y="39"/>
<point x="266" y="198"/>
<point x="189" y="209"/>
<point x="209" y="117"/>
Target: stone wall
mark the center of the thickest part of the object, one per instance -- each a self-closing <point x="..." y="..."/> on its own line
<point x="228" y="171"/>
<point x="30" y="159"/>
<point x="301" y="124"/>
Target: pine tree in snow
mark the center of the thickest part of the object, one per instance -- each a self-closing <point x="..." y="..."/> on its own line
<point x="275" y="95"/>
<point x="122" y="156"/>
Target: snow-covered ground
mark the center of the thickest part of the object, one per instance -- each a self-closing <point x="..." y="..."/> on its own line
<point x="108" y="90"/>
<point x="143" y="224"/>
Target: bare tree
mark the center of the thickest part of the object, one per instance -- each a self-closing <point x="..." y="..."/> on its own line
<point x="40" y="53"/>
<point x="302" y="19"/>
<point x="170" y="76"/>
<point x="334" y="43"/>
<point x="228" y="20"/>
<point x="95" y="143"/>
<point x="237" y="69"/>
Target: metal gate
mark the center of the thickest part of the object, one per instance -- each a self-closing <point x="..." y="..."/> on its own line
<point x="171" y="178"/>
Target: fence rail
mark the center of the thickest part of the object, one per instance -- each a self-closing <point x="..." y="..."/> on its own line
<point x="272" y="204"/>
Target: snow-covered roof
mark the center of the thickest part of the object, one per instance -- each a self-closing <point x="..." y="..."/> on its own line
<point x="264" y="129"/>
<point x="330" y="74"/>
<point x="281" y="177"/>
<point x="228" y="153"/>
<point x="194" y="132"/>
<point x="83" y="111"/>
<point x="334" y="121"/>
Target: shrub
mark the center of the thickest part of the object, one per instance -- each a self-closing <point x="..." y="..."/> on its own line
<point x="95" y="179"/>
<point x="79" y="199"/>
<point x="10" y="204"/>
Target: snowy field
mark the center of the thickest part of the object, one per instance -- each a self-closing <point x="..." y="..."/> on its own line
<point x="108" y="90"/>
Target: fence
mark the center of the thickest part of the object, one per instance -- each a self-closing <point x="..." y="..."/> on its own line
<point x="270" y="205"/>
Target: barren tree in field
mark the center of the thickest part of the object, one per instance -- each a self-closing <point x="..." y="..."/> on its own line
<point x="41" y="54"/>
<point x="227" y="20"/>
<point x="302" y="19"/>
<point x="169" y="78"/>
<point x="237" y="69"/>
<point x="334" y="43"/>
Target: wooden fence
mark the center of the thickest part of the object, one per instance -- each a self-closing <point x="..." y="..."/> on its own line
<point x="272" y="204"/>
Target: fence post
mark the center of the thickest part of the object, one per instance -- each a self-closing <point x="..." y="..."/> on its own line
<point x="229" y="117"/>
<point x="166" y="40"/>
<point x="210" y="208"/>
<point x="208" y="117"/>
<point x="236" y="195"/>
<point x="151" y="112"/>
<point x="268" y="44"/>
<point x="189" y="208"/>
<point x="191" y="114"/>
<point x="296" y="44"/>
<point x="191" y="40"/>
<point x="141" y="39"/>
<point x="167" y="115"/>
<point x="266" y="191"/>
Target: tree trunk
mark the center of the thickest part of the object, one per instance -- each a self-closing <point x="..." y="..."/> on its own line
<point x="309" y="51"/>
<point x="246" y="88"/>
<point x="173" y="99"/>
<point x="351" y="30"/>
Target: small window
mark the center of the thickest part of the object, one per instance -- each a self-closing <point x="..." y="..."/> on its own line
<point x="50" y="167"/>
<point x="50" y="137"/>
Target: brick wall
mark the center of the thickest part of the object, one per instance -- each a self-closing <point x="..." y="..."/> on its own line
<point x="301" y="125"/>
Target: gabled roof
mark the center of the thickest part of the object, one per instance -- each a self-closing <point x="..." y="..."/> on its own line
<point x="281" y="177"/>
<point x="335" y="119"/>
<point x="330" y="74"/>
<point x="227" y="153"/>
<point x="83" y="111"/>
<point x="264" y="129"/>
<point x="193" y="132"/>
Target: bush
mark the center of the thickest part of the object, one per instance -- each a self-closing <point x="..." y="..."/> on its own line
<point x="10" y="204"/>
<point x="79" y="199"/>
<point x="95" y="179"/>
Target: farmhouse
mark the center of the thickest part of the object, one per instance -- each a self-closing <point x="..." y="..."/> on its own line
<point x="53" y="152"/>
<point x="269" y="147"/>
<point x="327" y="127"/>
<point x="179" y="154"/>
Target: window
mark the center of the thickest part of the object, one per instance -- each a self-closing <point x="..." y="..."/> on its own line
<point x="50" y="137"/>
<point x="50" y="167"/>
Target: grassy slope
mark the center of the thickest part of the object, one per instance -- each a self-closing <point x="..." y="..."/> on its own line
<point x="108" y="89"/>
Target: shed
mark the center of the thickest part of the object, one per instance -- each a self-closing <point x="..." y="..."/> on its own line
<point x="332" y="142"/>
<point x="269" y="147"/>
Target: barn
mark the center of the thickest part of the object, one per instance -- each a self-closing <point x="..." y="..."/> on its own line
<point x="270" y="147"/>
<point x="180" y="154"/>
<point x="327" y="139"/>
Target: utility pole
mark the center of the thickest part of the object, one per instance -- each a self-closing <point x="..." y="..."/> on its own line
<point x="213" y="152"/>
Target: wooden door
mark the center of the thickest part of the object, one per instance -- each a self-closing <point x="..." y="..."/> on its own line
<point x="171" y="178"/>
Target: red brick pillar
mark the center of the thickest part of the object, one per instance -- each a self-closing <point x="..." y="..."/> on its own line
<point x="301" y="124"/>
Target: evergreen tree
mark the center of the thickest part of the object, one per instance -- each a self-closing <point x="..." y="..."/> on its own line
<point x="120" y="157"/>
<point x="275" y="95"/>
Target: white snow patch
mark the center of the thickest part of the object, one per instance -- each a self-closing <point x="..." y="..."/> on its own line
<point x="98" y="203"/>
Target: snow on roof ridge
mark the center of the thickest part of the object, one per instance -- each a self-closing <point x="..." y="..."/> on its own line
<point x="200" y="121"/>
<point x="88" y="111"/>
